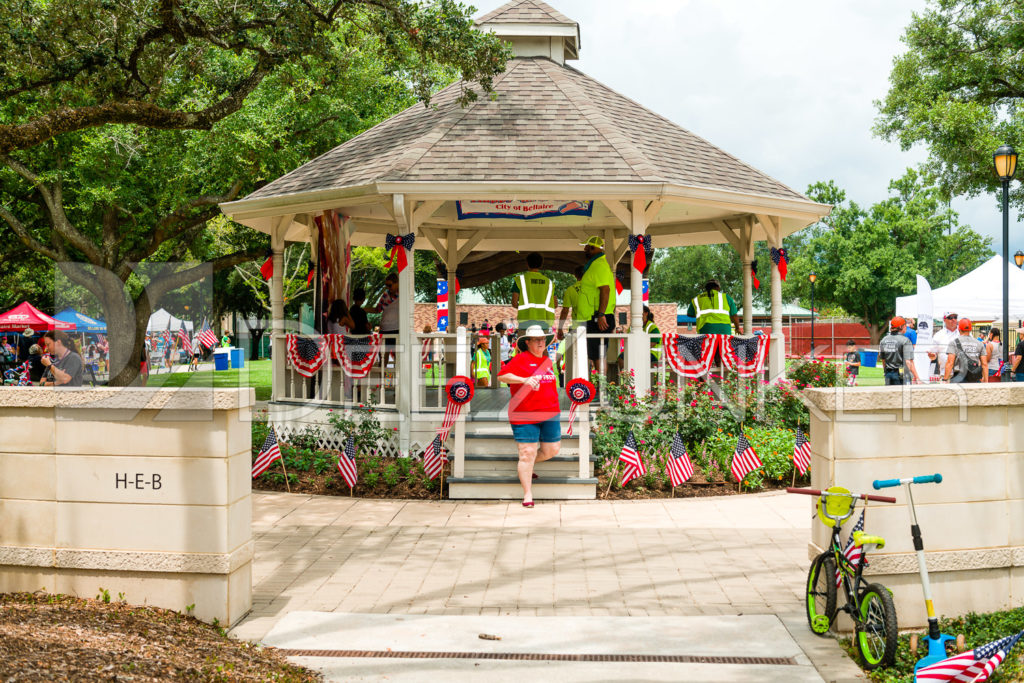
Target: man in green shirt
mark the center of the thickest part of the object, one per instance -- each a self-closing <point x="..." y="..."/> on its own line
<point x="571" y="299"/>
<point x="715" y="312"/>
<point x="597" y="296"/>
<point x="533" y="295"/>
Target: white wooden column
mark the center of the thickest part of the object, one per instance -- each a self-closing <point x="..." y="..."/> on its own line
<point x="462" y="351"/>
<point x="277" y="322"/>
<point x="777" y="349"/>
<point x="747" y="256"/>
<point x="451" y="261"/>
<point x="405" y="365"/>
<point x="638" y="355"/>
<point x="579" y="339"/>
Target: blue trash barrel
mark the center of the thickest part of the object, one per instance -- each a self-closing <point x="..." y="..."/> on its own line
<point x="869" y="359"/>
<point x="237" y="358"/>
<point x="221" y="359"/>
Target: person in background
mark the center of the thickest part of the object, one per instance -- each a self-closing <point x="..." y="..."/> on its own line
<point x="596" y="302"/>
<point x="482" y="360"/>
<point x="941" y="340"/>
<point x="504" y="347"/>
<point x="533" y="295"/>
<point x="714" y="311"/>
<point x="144" y="362"/>
<point x="387" y="306"/>
<point x="361" y="324"/>
<point x="571" y="301"/>
<point x="338" y="318"/>
<point x="897" y="353"/>
<point x="36" y="369"/>
<point x="25" y="343"/>
<point x="1018" y="357"/>
<point x="993" y="356"/>
<point x="852" y="363"/>
<point x="911" y="332"/>
<point x="168" y="355"/>
<point x="964" y="357"/>
<point x="197" y="351"/>
<point x="486" y="327"/>
<point x="64" y="366"/>
<point x="225" y="341"/>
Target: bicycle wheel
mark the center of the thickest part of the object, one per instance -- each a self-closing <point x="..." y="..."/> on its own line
<point x="876" y="631"/>
<point x="821" y="594"/>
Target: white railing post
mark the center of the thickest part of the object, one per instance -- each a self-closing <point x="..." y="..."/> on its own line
<point x="461" y="368"/>
<point x="582" y="370"/>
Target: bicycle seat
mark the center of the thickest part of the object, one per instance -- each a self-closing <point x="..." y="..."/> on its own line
<point x="870" y="542"/>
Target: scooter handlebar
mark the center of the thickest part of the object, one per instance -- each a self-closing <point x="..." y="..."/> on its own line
<point x="924" y="479"/>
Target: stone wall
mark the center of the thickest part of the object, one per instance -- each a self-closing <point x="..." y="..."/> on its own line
<point x="142" y="492"/>
<point x="972" y="523"/>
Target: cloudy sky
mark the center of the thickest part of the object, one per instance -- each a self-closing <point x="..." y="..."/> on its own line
<point x="786" y="86"/>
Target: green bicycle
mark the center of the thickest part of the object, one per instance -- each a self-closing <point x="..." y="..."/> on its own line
<point x="869" y="605"/>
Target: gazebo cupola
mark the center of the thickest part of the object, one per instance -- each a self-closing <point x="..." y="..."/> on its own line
<point x="534" y="29"/>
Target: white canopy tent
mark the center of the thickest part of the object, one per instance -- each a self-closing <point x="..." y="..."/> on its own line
<point x="162" y="320"/>
<point x="977" y="295"/>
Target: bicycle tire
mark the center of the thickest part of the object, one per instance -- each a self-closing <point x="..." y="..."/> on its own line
<point x="877" y="630"/>
<point x="821" y="594"/>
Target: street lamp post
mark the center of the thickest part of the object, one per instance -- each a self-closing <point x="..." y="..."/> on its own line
<point x="812" y="277"/>
<point x="1005" y="161"/>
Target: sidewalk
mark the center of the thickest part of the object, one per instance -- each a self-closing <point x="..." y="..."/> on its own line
<point x="698" y="557"/>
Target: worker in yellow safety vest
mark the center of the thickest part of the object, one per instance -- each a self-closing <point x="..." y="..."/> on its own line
<point x="597" y="298"/>
<point x="715" y="312"/>
<point x="571" y="300"/>
<point x="651" y="329"/>
<point x="533" y="296"/>
<point x="482" y="361"/>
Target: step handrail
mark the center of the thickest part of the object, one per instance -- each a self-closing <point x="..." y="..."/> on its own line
<point x="583" y="413"/>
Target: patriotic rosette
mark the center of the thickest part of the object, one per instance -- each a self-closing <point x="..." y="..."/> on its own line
<point x="745" y="355"/>
<point x="398" y="245"/>
<point x="691" y="356"/>
<point x="643" y="251"/>
<point x="460" y="392"/>
<point x="580" y="392"/>
<point x="357" y="355"/>
<point x="307" y="355"/>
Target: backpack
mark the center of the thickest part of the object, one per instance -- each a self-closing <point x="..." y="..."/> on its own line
<point x="971" y="366"/>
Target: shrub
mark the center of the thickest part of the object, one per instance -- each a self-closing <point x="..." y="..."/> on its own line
<point x="816" y="373"/>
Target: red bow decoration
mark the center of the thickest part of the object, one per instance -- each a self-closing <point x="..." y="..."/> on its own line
<point x="753" y="274"/>
<point x="460" y="392"/>
<point x="618" y="286"/>
<point x="398" y="245"/>
<point x="641" y="247"/>
<point x="580" y="392"/>
<point x="310" y="274"/>
<point x="780" y="258"/>
<point x="267" y="269"/>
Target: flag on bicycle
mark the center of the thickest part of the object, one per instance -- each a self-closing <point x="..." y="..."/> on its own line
<point x="744" y="459"/>
<point x="679" y="467"/>
<point x="267" y="455"/>
<point x="852" y="552"/>
<point x="802" y="452"/>
<point x="634" y="463"/>
<point x="975" y="665"/>
<point x="347" y="462"/>
<point x="433" y="458"/>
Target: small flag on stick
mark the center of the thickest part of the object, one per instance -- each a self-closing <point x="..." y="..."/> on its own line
<point x="267" y="455"/>
<point x="852" y="552"/>
<point x="680" y="469"/>
<point x="634" y="463"/>
<point x="802" y="452"/>
<point x="744" y="460"/>
<point x="347" y="462"/>
<point x="433" y="459"/>
<point x="975" y="665"/>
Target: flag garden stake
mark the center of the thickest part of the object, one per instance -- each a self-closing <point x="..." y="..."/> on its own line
<point x="266" y="457"/>
<point x="286" y="486"/>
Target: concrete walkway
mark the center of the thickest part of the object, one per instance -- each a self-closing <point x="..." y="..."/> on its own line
<point x="742" y="557"/>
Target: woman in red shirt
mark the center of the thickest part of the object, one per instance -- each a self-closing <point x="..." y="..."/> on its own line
<point x="533" y="410"/>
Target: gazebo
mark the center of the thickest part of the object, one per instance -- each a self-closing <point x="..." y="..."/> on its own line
<point x="552" y="158"/>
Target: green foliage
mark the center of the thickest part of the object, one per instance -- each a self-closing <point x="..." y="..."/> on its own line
<point x="816" y="373"/>
<point x="104" y="595"/>
<point x="362" y="424"/>
<point x="958" y="90"/>
<point x="978" y="629"/>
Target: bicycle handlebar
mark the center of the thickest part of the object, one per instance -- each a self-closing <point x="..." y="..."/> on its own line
<point x="862" y="496"/>
<point x="925" y="479"/>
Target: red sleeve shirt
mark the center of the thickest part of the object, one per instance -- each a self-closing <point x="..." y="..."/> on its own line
<point x="528" y="406"/>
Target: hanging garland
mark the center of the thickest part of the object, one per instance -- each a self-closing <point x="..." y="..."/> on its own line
<point x="745" y="355"/>
<point x="357" y="355"/>
<point x="307" y="355"/>
<point x="580" y="392"/>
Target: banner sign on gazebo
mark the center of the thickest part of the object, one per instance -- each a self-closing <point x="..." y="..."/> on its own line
<point x="523" y="209"/>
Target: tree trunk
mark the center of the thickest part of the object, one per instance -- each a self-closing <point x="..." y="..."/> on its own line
<point x="126" y="334"/>
<point x="875" y="332"/>
<point x="255" y="335"/>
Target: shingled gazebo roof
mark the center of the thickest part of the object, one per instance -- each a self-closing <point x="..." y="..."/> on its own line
<point x="525" y="12"/>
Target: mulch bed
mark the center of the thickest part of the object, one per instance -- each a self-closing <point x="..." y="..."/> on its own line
<point x="61" y="638"/>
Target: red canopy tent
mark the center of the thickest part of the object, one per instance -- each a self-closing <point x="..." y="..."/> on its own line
<point x="26" y="315"/>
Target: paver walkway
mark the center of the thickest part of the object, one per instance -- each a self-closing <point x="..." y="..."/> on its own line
<point x="734" y="555"/>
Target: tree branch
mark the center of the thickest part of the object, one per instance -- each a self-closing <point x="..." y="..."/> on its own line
<point x="160" y="286"/>
<point x="26" y="238"/>
<point x="178" y="222"/>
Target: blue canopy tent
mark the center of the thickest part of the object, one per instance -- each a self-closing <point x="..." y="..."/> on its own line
<point x="82" y="322"/>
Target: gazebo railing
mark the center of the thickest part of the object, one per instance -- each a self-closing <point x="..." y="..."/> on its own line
<point x="331" y="385"/>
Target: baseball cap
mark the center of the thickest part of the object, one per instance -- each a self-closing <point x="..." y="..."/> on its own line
<point x="965" y="324"/>
<point x="949" y="314"/>
<point x="897" y="322"/>
<point x="594" y="241"/>
<point x="28" y="332"/>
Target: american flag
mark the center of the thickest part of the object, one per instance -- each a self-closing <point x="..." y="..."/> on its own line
<point x="306" y="355"/>
<point x="975" y="665"/>
<point x="802" y="452"/>
<point x="183" y="341"/>
<point x="634" y="463"/>
<point x="744" y="460"/>
<point x="433" y="458"/>
<point x="680" y="469"/>
<point x="646" y="289"/>
<point x="347" y="462"/>
<point x="852" y="552"/>
<point x="442" y="305"/>
<point x="206" y="336"/>
<point x="268" y="454"/>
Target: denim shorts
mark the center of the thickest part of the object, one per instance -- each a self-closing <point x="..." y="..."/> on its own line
<point x="548" y="431"/>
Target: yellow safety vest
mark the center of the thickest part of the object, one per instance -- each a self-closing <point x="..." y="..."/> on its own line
<point x="713" y="310"/>
<point x="536" y="298"/>
<point x="651" y="328"/>
<point x="482" y="364"/>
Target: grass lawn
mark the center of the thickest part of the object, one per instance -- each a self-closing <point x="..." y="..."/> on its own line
<point x="255" y="374"/>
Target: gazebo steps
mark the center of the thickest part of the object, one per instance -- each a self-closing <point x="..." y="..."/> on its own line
<point x="508" y="488"/>
<point x="505" y="466"/>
